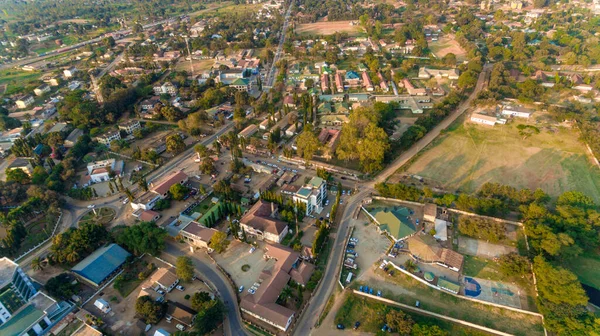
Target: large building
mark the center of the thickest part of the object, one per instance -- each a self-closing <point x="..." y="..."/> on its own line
<point x="100" y="171"/>
<point x="273" y="279"/>
<point x="395" y="221"/>
<point x="197" y="235"/>
<point x="312" y="195"/>
<point x="261" y="221"/>
<point x="23" y="309"/>
<point x="158" y="191"/>
<point x="100" y="265"/>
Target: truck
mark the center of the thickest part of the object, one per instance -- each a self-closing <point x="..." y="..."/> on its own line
<point x="349" y="278"/>
<point x="102" y="305"/>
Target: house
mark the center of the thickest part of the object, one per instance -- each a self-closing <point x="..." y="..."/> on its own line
<point x="516" y="111"/>
<point x="425" y="248"/>
<point x="23" y="309"/>
<point x="165" y="279"/>
<point x="289" y="101"/>
<point x="108" y="137"/>
<point x="324" y="82"/>
<point x="70" y="72"/>
<point x="339" y="83"/>
<point x="248" y="131"/>
<point x="367" y="81"/>
<point x="166" y="88"/>
<point x="261" y="221"/>
<point x="40" y="90"/>
<point x="21" y="163"/>
<point x="485" y="119"/>
<point x="73" y="137"/>
<point x="426" y="73"/>
<point x="148" y="216"/>
<point x="96" y="268"/>
<point x="312" y="195"/>
<point x="383" y="83"/>
<point x="158" y="191"/>
<point x="86" y="330"/>
<point x="130" y="126"/>
<point x="395" y="221"/>
<point x="24" y="101"/>
<point x="430" y="212"/>
<point x="100" y="171"/>
<point x="412" y="90"/>
<point x="291" y="131"/>
<point x="264" y="124"/>
<point x="150" y="103"/>
<point x="197" y="235"/>
<point x="181" y="313"/>
<point x="241" y="84"/>
<point x="416" y="105"/>
<point x="226" y="77"/>
<point x="263" y="303"/>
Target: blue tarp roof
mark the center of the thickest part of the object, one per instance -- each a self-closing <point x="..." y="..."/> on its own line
<point x="100" y="264"/>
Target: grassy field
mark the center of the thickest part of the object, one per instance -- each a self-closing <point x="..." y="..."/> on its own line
<point x="587" y="267"/>
<point x="481" y="268"/>
<point x="401" y="288"/>
<point x="13" y="77"/>
<point x="371" y="314"/>
<point x="446" y="45"/>
<point x="327" y="28"/>
<point x="470" y="155"/>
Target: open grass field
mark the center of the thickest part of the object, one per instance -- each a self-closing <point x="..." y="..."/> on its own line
<point x="445" y="45"/>
<point x="470" y="155"/>
<point x="199" y="65"/>
<point x="18" y="77"/>
<point x="587" y="269"/>
<point x="327" y="28"/>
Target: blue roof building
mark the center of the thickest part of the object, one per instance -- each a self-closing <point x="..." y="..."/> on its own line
<point x="352" y="75"/>
<point x="101" y="264"/>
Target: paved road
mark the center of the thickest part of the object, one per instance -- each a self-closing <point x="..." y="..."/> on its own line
<point x="233" y="323"/>
<point x="273" y="71"/>
<point x="316" y="306"/>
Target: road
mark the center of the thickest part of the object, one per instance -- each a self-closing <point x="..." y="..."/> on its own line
<point x="273" y="71"/>
<point x="310" y="316"/>
<point x="233" y="324"/>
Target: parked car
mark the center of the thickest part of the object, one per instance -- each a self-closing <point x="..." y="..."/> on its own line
<point x="161" y="292"/>
<point x="125" y="201"/>
<point x="417" y="304"/>
<point x="378" y="293"/>
<point x="252" y="249"/>
<point x="91" y="206"/>
<point x="180" y="327"/>
<point x="341" y="327"/>
<point x="241" y="289"/>
<point x="356" y="325"/>
<point x="180" y="287"/>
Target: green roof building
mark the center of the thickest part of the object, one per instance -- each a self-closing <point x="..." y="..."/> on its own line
<point x="448" y="285"/>
<point x="394" y="221"/>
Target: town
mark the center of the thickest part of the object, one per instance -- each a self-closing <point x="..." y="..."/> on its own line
<point x="300" y="168"/>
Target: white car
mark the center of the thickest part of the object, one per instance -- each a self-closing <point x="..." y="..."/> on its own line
<point x="327" y="215"/>
<point x="252" y="249"/>
<point x="241" y="289"/>
<point x="125" y="201"/>
<point x="180" y="287"/>
<point x="180" y="327"/>
<point x="91" y="206"/>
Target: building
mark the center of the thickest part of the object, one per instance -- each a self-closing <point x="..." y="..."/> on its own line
<point x="197" y="234"/>
<point x="165" y="279"/>
<point x="100" y="171"/>
<point x="339" y="83"/>
<point x="261" y="221"/>
<point x="73" y="137"/>
<point x="484" y="119"/>
<point x="70" y="72"/>
<point x="425" y="248"/>
<point x="241" y="84"/>
<point x="86" y="330"/>
<point x="383" y="83"/>
<point x="248" y="131"/>
<point x="313" y="195"/>
<point x="24" y="101"/>
<point x="21" y="163"/>
<point x="426" y="73"/>
<point x="516" y="111"/>
<point x="324" y="82"/>
<point x="148" y="216"/>
<point x="96" y="268"/>
<point x="273" y="279"/>
<point x="412" y="90"/>
<point x="158" y="191"/>
<point x="23" y="309"/>
<point x="40" y="90"/>
<point x="150" y="103"/>
<point x="430" y="212"/>
<point x="130" y="126"/>
<point x="367" y="83"/>
<point x="108" y="137"/>
<point x="166" y="88"/>
<point x="181" y="313"/>
<point x="395" y="221"/>
<point x="416" y="104"/>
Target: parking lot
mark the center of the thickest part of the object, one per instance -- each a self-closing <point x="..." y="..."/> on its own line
<point x="371" y="244"/>
<point x="237" y="255"/>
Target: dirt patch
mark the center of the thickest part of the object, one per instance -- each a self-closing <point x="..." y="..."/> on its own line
<point x="446" y="45"/>
<point x="483" y="249"/>
<point x="371" y="244"/>
<point x="237" y="255"/>
<point x="327" y="28"/>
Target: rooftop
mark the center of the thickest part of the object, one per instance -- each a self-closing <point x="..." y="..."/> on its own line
<point x="21" y="321"/>
<point x="164" y="277"/>
<point x="7" y="270"/>
<point x="163" y="185"/>
<point x="204" y="233"/>
<point x="395" y="221"/>
<point x="100" y="264"/>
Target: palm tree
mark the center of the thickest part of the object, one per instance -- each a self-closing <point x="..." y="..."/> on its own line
<point x="286" y="293"/>
<point x="37" y="264"/>
<point x="410" y="265"/>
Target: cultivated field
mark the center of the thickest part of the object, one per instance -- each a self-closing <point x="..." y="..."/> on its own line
<point x="446" y="45"/>
<point x="470" y="155"/>
<point x="327" y="28"/>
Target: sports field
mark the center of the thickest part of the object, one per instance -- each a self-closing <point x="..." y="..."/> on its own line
<point x="446" y="45"/>
<point x="470" y="155"/>
<point x="327" y="28"/>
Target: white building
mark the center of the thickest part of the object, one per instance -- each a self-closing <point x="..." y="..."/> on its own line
<point x="70" y="72"/>
<point x="24" y="102"/>
<point x="516" y="111"/>
<point x="312" y="195"/>
<point x="108" y="137"/>
<point x="130" y="126"/>
<point x="486" y="119"/>
<point x="158" y="191"/>
<point x="40" y="90"/>
<point x="99" y="171"/>
<point x="166" y="88"/>
<point x="261" y="222"/>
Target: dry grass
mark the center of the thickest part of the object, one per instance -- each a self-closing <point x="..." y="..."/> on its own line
<point x="327" y="28"/>
<point x="446" y="45"/>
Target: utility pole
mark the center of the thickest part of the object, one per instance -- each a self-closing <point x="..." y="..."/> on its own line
<point x="187" y="43"/>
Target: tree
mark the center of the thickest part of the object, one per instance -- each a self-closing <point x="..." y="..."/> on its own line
<point x="219" y="242"/>
<point x="18" y="175"/>
<point x="427" y="330"/>
<point x="481" y="228"/>
<point x="37" y="264"/>
<point x="175" y="143"/>
<point x="307" y="143"/>
<point x="184" y="268"/>
<point x="209" y="317"/>
<point x="513" y="265"/>
<point x="399" y="322"/>
<point x="410" y="265"/>
<point x="178" y="191"/>
<point x="199" y="299"/>
<point x="145" y="237"/>
<point x="372" y="148"/>
<point x="467" y="80"/>
<point x="149" y="310"/>
<point x="61" y="286"/>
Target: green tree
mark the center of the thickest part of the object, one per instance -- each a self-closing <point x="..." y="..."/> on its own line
<point x="399" y="322"/>
<point x="178" y="191"/>
<point x="174" y="143"/>
<point x="199" y="299"/>
<point x="18" y="175"/>
<point x="219" y="242"/>
<point x="514" y="265"/>
<point x="209" y="317"/>
<point x="145" y="237"/>
<point x="307" y="143"/>
<point x="184" y="268"/>
<point x="427" y="330"/>
<point x="150" y="310"/>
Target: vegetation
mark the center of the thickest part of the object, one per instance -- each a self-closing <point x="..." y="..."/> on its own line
<point x="149" y="310"/>
<point x="480" y="228"/>
<point x="219" y="242"/>
<point x="184" y="268"/>
<point x="145" y="237"/>
<point x="61" y="286"/>
<point x="75" y="244"/>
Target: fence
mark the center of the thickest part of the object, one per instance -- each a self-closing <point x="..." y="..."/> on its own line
<point x="42" y="243"/>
